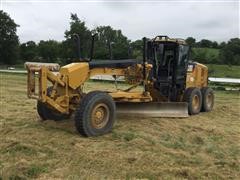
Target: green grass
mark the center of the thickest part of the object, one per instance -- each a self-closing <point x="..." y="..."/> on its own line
<point x="224" y="71"/>
<point x="17" y="66"/>
<point x="35" y="170"/>
<point x="204" y="146"/>
<point x="211" y="56"/>
<point x="208" y="51"/>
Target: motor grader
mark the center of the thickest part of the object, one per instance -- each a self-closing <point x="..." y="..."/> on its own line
<point x="171" y="86"/>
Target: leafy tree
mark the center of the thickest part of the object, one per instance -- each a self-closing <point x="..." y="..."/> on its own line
<point x="49" y="50"/>
<point x="214" y="45"/>
<point x="107" y="37"/>
<point x="137" y="47"/>
<point x="222" y="45"/>
<point x="205" y="55"/>
<point x="9" y="43"/>
<point x="205" y="43"/>
<point x="28" y="51"/>
<point x="199" y="55"/>
<point x="121" y="46"/>
<point x="138" y="44"/>
<point x="230" y="53"/>
<point x="191" y="41"/>
<point x="70" y="46"/>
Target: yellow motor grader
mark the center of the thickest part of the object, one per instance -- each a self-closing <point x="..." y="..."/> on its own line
<point x="172" y="86"/>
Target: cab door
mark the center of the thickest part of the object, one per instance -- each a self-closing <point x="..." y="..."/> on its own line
<point x="180" y="70"/>
<point x="164" y="60"/>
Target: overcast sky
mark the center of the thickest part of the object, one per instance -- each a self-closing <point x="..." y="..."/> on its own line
<point x="42" y="20"/>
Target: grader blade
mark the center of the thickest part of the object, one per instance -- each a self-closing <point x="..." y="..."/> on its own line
<point x="152" y="109"/>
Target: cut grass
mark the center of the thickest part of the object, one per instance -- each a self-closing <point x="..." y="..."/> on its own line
<point x="205" y="146"/>
<point x="35" y="170"/>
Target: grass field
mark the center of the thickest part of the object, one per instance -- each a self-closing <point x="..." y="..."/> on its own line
<point x="224" y="71"/>
<point x="211" y="56"/>
<point x="214" y="69"/>
<point x="206" y="146"/>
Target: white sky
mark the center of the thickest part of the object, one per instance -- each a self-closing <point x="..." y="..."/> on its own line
<point x="48" y="19"/>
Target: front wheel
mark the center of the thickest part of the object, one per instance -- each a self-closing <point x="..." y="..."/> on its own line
<point x="96" y="114"/>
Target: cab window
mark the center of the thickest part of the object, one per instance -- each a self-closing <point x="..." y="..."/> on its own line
<point x="183" y="55"/>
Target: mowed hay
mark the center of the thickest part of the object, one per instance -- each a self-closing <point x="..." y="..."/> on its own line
<point x="203" y="146"/>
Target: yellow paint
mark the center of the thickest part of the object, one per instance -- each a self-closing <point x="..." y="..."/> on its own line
<point x="198" y="77"/>
<point x="67" y="92"/>
<point x="77" y="73"/>
<point x="131" y="96"/>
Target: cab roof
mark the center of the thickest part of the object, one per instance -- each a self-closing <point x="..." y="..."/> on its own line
<point x="167" y="39"/>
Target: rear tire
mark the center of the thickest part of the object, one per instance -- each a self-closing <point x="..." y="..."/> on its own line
<point x="207" y="99"/>
<point x="193" y="97"/>
<point x="96" y="114"/>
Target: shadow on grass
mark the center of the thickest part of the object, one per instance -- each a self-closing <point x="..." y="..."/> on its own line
<point x="68" y="125"/>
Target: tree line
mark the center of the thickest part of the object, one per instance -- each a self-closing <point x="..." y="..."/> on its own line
<point x="107" y="40"/>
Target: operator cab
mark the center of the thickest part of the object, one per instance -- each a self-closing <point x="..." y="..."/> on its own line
<point x="169" y="58"/>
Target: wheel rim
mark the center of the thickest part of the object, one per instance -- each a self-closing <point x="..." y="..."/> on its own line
<point x="195" y="102"/>
<point x="209" y="100"/>
<point x="100" y="116"/>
